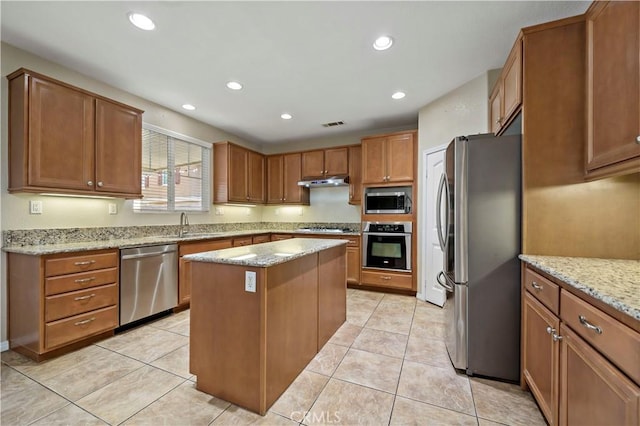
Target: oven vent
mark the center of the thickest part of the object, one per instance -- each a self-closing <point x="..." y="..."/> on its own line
<point x="333" y="124"/>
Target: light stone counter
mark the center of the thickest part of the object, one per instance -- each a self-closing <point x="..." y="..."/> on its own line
<point x="615" y="282"/>
<point x="266" y="254"/>
<point x="120" y="243"/>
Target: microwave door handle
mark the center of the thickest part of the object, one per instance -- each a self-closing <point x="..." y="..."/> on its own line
<point x="438" y="212"/>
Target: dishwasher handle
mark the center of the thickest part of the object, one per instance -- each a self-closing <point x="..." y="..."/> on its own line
<point x="143" y="255"/>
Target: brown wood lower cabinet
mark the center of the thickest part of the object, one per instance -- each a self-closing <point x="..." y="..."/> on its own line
<point x="247" y="347"/>
<point x="581" y="364"/>
<point x="61" y="301"/>
<point x="184" y="276"/>
<point x="403" y="281"/>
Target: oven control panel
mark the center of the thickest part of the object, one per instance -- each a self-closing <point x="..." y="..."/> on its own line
<point x="388" y="227"/>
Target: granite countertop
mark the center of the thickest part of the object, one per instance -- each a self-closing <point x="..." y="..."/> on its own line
<point x="266" y="254"/>
<point x="615" y="282"/>
<point x="121" y="243"/>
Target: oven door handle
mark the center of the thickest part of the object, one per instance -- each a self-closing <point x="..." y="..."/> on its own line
<point x="441" y="186"/>
<point x="444" y="284"/>
<point x="388" y="234"/>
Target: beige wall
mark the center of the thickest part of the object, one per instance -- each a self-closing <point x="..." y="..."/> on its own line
<point x="463" y="111"/>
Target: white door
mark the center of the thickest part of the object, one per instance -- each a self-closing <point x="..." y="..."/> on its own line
<point x="432" y="254"/>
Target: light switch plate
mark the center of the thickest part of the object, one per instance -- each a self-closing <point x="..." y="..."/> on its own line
<point x="219" y="211"/>
<point x="113" y="208"/>
<point x="250" y="281"/>
<point x="35" y="207"/>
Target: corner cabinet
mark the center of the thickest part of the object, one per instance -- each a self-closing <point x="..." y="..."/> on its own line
<point x="63" y="139"/>
<point x="238" y="175"/>
<point x="506" y="97"/>
<point x="580" y="363"/>
<point x="388" y="158"/>
<point x="283" y="175"/>
<point x="613" y="88"/>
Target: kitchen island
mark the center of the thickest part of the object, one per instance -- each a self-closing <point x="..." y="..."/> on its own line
<point x="260" y="313"/>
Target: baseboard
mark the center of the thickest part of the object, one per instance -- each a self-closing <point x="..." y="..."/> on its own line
<point x="4" y="346"/>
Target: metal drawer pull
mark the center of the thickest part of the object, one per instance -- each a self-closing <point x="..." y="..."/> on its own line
<point x="84" y="280"/>
<point x="587" y="324"/>
<point x="85" y="297"/>
<point x="87" y="321"/>
<point x="84" y="263"/>
<point x="536" y="286"/>
<point x="552" y="332"/>
<point x="386" y="278"/>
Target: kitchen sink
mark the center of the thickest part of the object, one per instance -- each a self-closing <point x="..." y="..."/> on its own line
<point x="202" y="234"/>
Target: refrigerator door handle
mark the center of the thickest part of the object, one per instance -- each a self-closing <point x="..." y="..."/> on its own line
<point x="441" y="185"/>
<point x="443" y="284"/>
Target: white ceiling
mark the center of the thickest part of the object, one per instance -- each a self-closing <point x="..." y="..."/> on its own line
<point x="312" y="59"/>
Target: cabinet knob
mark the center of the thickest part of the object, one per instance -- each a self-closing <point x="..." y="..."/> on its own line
<point x="90" y="183"/>
<point x="637" y="139"/>
<point x="100" y="184"/>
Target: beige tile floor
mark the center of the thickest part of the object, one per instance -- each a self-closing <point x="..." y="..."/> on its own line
<point x="387" y="365"/>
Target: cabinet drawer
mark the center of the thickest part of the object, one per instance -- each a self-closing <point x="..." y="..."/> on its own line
<point x="386" y="279"/>
<point x="77" y="302"/>
<point x="242" y="241"/>
<point x="258" y="239"/>
<point x="71" y="265"/>
<point x="80" y="281"/>
<point x="68" y="330"/>
<point x="200" y="247"/>
<point x="542" y="289"/>
<point x="353" y="241"/>
<point x="615" y="340"/>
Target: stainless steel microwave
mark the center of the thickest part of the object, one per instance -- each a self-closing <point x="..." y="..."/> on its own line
<point x="388" y="200"/>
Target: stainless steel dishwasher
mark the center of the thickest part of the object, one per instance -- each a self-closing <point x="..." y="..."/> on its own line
<point x="148" y="281"/>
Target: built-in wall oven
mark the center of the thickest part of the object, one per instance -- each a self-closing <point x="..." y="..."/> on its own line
<point x="387" y="245"/>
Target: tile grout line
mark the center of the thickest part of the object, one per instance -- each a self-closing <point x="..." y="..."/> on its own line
<point x="154" y="401"/>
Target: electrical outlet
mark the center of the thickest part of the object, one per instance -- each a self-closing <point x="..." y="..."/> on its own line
<point x="300" y="211"/>
<point x="113" y="208"/>
<point x="219" y="211"/>
<point x="250" y="281"/>
<point x="35" y="207"/>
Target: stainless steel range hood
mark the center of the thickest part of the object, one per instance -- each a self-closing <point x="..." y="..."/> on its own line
<point x="326" y="182"/>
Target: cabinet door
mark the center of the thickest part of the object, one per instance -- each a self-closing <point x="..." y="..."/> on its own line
<point x="495" y="108"/>
<point x="399" y="158"/>
<point x="593" y="391"/>
<point x="293" y="193"/>
<point x="61" y="144"/>
<point x="275" y="179"/>
<point x="255" y="178"/>
<point x="355" y="175"/>
<point x="237" y="174"/>
<point x="512" y="83"/>
<point x="353" y="265"/>
<point x="541" y="356"/>
<point x="373" y="160"/>
<point x="118" y="149"/>
<point x="313" y="164"/>
<point x="613" y="84"/>
<point x="336" y="161"/>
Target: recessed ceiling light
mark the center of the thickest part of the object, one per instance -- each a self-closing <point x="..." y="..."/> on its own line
<point x="286" y="116"/>
<point x="234" y="85"/>
<point x="188" y="107"/>
<point x="383" y="43"/>
<point x="398" y="95"/>
<point x="141" y="21"/>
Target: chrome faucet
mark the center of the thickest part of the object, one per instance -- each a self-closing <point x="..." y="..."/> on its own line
<point x="184" y="221"/>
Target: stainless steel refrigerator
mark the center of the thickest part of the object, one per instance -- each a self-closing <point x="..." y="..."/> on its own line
<point x="478" y="220"/>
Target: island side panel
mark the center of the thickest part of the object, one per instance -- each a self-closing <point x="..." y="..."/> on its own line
<point x="332" y="292"/>
<point x="225" y="333"/>
<point x="292" y="322"/>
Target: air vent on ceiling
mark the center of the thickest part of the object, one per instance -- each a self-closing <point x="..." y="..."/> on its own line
<point x="332" y="124"/>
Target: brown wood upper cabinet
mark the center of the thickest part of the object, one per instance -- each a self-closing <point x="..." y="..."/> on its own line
<point x="325" y="163"/>
<point x="355" y="174"/>
<point x="506" y="97"/>
<point x="283" y="174"/>
<point x="388" y="158"/>
<point x="66" y="140"/>
<point x="238" y="175"/>
<point x="613" y="88"/>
